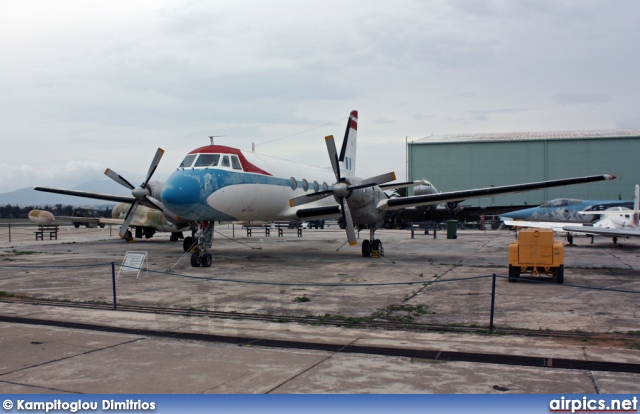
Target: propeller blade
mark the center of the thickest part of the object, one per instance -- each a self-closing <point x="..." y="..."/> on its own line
<point x="118" y="179"/>
<point x="333" y="156"/>
<point x="377" y="180"/>
<point x="310" y="198"/>
<point x="128" y="219"/>
<point x="158" y="205"/>
<point x="346" y="213"/>
<point x="153" y="166"/>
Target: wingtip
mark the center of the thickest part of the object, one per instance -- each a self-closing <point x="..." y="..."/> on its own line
<point x="291" y="203"/>
<point x="328" y="137"/>
<point x="106" y="172"/>
<point x="610" y="176"/>
<point x="353" y="243"/>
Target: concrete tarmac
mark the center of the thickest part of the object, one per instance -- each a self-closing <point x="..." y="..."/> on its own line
<point x="450" y="285"/>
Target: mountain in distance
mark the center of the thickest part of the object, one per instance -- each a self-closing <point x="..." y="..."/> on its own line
<point x="29" y="196"/>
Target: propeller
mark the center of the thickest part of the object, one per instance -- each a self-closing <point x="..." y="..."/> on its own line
<point x="141" y="194"/>
<point x="342" y="189"/>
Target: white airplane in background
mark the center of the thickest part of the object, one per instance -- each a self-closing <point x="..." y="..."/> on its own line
<point x="220" y="183"/>
<point x="146" y="221"/>
<point x="614" y="222"/>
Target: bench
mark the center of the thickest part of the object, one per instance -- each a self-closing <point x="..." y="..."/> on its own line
<point x="281" y="225"/>
<point x="423" y="227"/>
<point x="267" y="230"/>
<point x="51" y="229"/>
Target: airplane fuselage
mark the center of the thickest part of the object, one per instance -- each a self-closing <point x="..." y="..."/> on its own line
<point x="567" y="210"/>
<point x="219" y="183"/>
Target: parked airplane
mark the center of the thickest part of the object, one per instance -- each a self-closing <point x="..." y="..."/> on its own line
<point x="614" y="222"/>
<point x="443" y="211"/>
<point x="220" y="183"/>
<point x="146" y="221"/>
<point x="566" y="210"/>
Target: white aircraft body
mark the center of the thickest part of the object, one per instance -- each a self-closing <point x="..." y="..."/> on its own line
<point x="220" y="183"/>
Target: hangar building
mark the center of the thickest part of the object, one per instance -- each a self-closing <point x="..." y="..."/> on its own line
<point x="458" y="162"/>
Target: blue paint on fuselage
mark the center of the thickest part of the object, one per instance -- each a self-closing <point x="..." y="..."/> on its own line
<point x="554" y="210"/>
<point x="186" y="191"/>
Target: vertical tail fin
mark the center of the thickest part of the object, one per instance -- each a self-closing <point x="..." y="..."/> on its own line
<point x="348" y="153"/>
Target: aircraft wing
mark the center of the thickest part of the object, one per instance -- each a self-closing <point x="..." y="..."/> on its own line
<point x="87" y="194"/>
<point x="603" y="231"/>
<point x="458" y="196"/>
<point x="555" y="226"/>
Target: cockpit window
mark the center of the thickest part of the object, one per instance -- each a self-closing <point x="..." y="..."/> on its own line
<point x="188" y="160"/>
<point x="225" y="161"/>
<point x="207" y="160"/>
<point x="235" y="163"/>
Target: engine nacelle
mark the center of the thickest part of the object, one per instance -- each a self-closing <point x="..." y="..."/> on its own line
<point x="454" y="207"/>
<point x="155" y="189"/>
<point x="363" y="202"/>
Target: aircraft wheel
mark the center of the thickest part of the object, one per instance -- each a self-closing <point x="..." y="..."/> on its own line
<point x="514" y="274"/>
<point x="560" y="275"/>
<point x="196" y="260"/>
<point x="127" y="235"/>
<point x="366" y="248"/>
<point x="187" y="243"/>
<point x="102" y="225"/>
<point x="380" y="248"/>
<point x="207" y="260"/>
<point x="76" y="225"/>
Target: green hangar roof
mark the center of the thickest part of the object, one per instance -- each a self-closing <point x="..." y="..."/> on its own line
<point x="529" y="136"/>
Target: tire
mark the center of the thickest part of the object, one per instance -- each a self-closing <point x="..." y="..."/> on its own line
<point x="186" y="243"/>
<point x="560" y="275"/>
<point x="127" y="235"/>
<point x="76" y="225"/>
<point x="366" y="248"/>
<point x="207" y="260"/>
<point x="102" y="225"/>
<point x="377" y="245"/>
<point x="514" y="273"/>
<point x="196" y="260"/>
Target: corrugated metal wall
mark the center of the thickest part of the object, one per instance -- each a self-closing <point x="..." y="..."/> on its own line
<point x="462" y="165"/>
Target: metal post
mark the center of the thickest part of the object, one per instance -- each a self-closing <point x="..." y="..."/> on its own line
<point x="233" y="230"/>
<point x="113" y="281"/>
<point x="9" y="232"/>
<point x="493" y="302"/>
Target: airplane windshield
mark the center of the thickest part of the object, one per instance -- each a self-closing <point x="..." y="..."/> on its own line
<point x="559" y="202"/>
<point x="207" y="160"/>
<point x="188" y="160"/>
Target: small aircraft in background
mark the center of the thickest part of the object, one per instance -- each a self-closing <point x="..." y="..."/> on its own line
<point x="568" y="210"/>
<point x="220" y="183"/>
<point x="146" y="221"/>
<point x="615" y="221"/>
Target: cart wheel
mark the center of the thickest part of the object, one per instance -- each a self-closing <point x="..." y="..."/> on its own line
<point x="514" y="273"/>
<point x="560" y="274"/>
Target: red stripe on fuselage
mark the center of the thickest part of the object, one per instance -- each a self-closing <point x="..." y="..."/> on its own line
<point x="221" y="149"/>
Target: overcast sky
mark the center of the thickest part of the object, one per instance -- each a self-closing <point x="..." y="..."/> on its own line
<point x="86" y="85"/>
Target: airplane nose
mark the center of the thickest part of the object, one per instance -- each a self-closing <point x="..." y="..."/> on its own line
<point x="180" y="193"/>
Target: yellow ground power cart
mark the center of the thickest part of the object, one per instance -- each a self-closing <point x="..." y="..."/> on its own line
<point x="536" y="253"/>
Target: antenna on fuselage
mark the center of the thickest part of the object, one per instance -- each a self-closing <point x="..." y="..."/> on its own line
<point x="211" y="137"/>
<point x="253" y="147"/>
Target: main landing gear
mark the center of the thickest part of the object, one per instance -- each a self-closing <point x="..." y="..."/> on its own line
<point x="198" y="244"/>
<point x="372" y="247"/>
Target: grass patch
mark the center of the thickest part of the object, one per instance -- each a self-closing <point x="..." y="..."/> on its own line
<point x="301" y="299"/>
